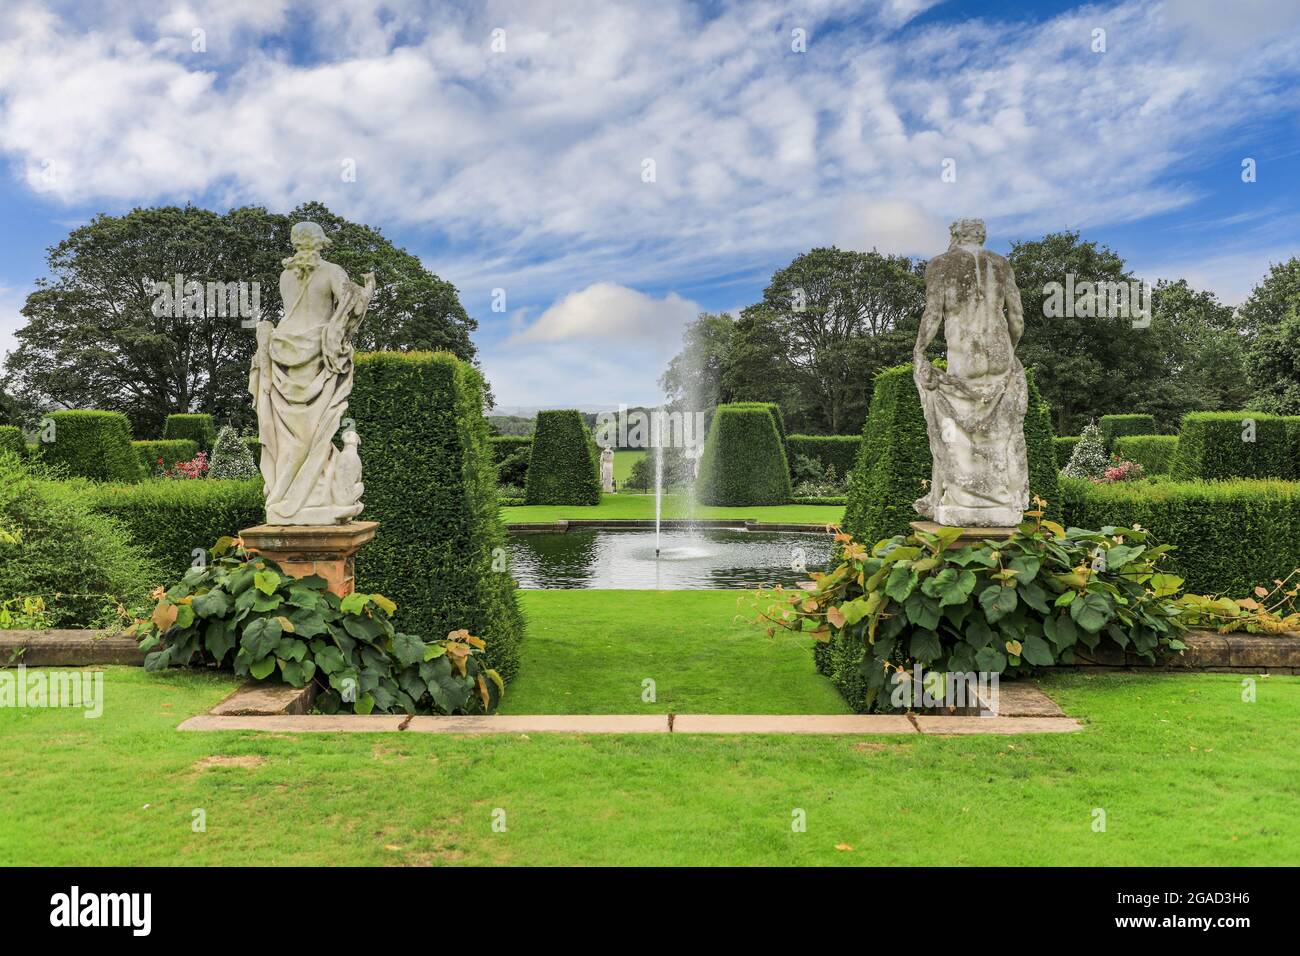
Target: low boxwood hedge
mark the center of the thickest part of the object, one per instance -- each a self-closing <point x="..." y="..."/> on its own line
<point x="176" y="521"/>
<point x="894" y="459"/>
<point x="1153" y="452"/>
<point x="197" y="428"/>
<point x="94" y="445"/>
<point x="440" y="552"/>
<point x="164" y="453"/>
<point x="743" y="462"/>
<point x="1220" y="445"/>
<point x="1228" y="536"/>
<point x="835" y="451"/>
<point x="562" y="467"/>
<point x="1113" y="426"/>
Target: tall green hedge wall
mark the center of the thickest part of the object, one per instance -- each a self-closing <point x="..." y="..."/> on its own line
<point x="94" y="445"/>
<point x="838" y="451"/>
<point x="169" y="450"/>
<point x="1213" y="445"/>
<point x="173" y="519"/>
<point x="1064" y="445"/>
<point x="1228" y="536"/>
<point x="894" y="458"/>
<point x="503" y="446"/>
<point x="1153" y="452"/>
<point x="743" y="462"/>
<point x="562" y="469"/>
<point x="440" y="552"/>
<point x="197" y="428"/>
<point x="11" y="439"/>
<point x="1113" y="426"/>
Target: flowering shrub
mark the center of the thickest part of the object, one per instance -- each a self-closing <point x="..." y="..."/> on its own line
<point x="1089" y="458"/>
<point x="1120" y="470"/>
<point x="196" y="467"/>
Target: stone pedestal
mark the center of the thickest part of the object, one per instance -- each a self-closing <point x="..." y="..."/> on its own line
<point x="300" y="550"/>
<point x="969" y="535"/>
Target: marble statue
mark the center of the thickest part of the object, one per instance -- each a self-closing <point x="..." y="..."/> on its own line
<point x="607" y="470"/>
<point x="975" y="409"/>
<point x="300" y="382"/>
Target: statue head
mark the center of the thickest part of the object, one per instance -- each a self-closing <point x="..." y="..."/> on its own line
<point x="308" y="237"/>
<point x="966" y="232"/>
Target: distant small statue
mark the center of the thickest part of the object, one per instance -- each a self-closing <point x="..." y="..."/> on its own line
<point x="975" y="409"/>
<point x="607" y="470"/>
<point x="300" y="382"/>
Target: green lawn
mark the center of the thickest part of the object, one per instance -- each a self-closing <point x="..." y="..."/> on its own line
<point x="623" y="462"/>
<point x="674" y="506"/>
<point x="1186" y="773"/>
<point x="588" y="652"/>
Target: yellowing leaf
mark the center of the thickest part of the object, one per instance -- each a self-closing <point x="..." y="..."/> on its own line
<point x="835" y="616"/>
<point x="164" y="616"/>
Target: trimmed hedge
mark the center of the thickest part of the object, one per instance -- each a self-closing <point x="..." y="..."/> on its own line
<point x="743" y="462"/>
<point x="1113" y="426"/>
<point x="173" y="520"/>
<point x="562" y="466"/>
<point x="837" y="451"/>
<point x="197" y="428"/>
<point x="1211" y="445"/>
<point x="431" y="485"/>
<point x="1228" y="536"/>
<point x="503" y="446"/>
<point x="1064" y="445"/>
<point x="169" y="450"/>
<point x="894" y="458"/>
<point x="94" y="445"/>
<point x="11" y="439"/>
<point x="778" y="419"/>
<point x="1153" y="452"/>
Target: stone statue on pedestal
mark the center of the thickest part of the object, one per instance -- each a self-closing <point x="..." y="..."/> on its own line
<point x="607" y="470"/>
<point x="300" y="381"/>
<point x="975" y="409"/>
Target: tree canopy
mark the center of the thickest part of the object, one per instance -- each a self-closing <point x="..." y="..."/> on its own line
<point x="92" y="338"/>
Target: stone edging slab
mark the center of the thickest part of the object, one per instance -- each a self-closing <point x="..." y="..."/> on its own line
<point x="617" y="524"/>
<point x="850" y="725"/>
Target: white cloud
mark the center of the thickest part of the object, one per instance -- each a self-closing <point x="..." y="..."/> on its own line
<point x="11" y="319"/>
<point x="610" y="312"/>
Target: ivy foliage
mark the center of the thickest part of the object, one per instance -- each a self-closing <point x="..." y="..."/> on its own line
<point x="241" y="610"/>
<point x="995" y="607"/>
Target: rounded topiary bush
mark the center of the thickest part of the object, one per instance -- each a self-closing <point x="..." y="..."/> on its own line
<point x="562" y="468"/>
<point x="197" y="428"/>
<point x="55" y="546"/>
<point x="744" y="462"/>
<point x="94" y="445"/>
<point x="1089" y="458"/>
<point x="231" y="457"/>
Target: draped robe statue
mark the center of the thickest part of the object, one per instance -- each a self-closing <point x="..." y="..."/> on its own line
<point x="300" y="381"/>
<point x="974" y="410"/>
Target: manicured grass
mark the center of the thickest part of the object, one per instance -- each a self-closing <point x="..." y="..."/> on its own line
<point x="623" y="462"/>
<point x="1185" y="771"/>
<point x="674" y="506"/>
<point x="589" y="652"/>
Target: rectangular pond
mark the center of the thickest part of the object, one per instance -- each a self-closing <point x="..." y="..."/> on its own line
<point x="688" y="558"/>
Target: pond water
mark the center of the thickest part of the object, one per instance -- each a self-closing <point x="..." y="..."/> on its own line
<point x="688" y="558"/>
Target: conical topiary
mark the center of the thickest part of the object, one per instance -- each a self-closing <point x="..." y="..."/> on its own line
<point x="231" y="457"/>
<point x="1089" y="458"/>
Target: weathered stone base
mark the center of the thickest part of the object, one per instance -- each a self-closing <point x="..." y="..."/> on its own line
<point x="969" y="535"/>
<point x="301" y="550"/>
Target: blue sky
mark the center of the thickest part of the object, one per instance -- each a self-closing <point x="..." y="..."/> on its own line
<point x="515" y="160"/>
